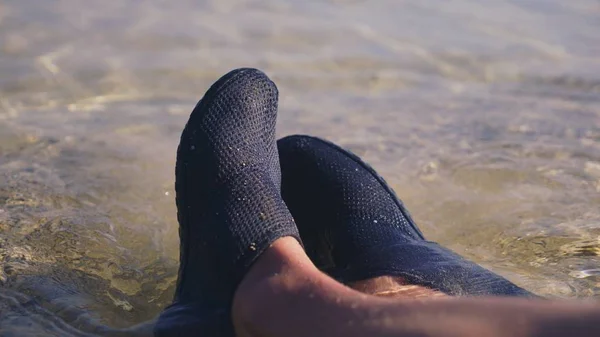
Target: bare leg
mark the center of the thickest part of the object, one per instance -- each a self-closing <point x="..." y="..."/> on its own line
<point x="394" y="287"/>
<point x="284" y="294"/>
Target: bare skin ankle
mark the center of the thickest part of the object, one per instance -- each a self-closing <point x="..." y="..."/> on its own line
<point x="285" y="279"/>
<point x="394" y="287"/>
<point x="280" y="269"/>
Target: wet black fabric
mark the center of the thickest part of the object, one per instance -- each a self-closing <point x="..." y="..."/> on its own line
<point x="229" y="204"/>
<point x="354" y="227"/>
<point x="194" y="320"/>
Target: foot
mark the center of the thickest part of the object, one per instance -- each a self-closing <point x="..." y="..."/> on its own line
<point x="355" y="228"/>
<point x="229" y="204"/>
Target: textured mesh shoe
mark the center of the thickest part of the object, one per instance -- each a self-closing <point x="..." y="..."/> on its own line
<point x="229" y="203"/>
<point x="354" y="227"/>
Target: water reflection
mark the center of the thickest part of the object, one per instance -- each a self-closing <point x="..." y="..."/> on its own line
<point x="483" y="116"/>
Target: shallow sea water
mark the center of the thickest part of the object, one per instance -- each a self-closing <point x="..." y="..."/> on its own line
<point x="483" y="115"/>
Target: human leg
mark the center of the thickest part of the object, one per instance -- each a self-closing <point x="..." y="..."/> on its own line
<point x="229" y="205"/>
<point x="356" y="229"/>
<point x="284" y="294"/>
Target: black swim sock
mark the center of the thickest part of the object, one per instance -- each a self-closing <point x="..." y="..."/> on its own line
<point x="355" y="228"/>
<point x="229" y="203"/>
